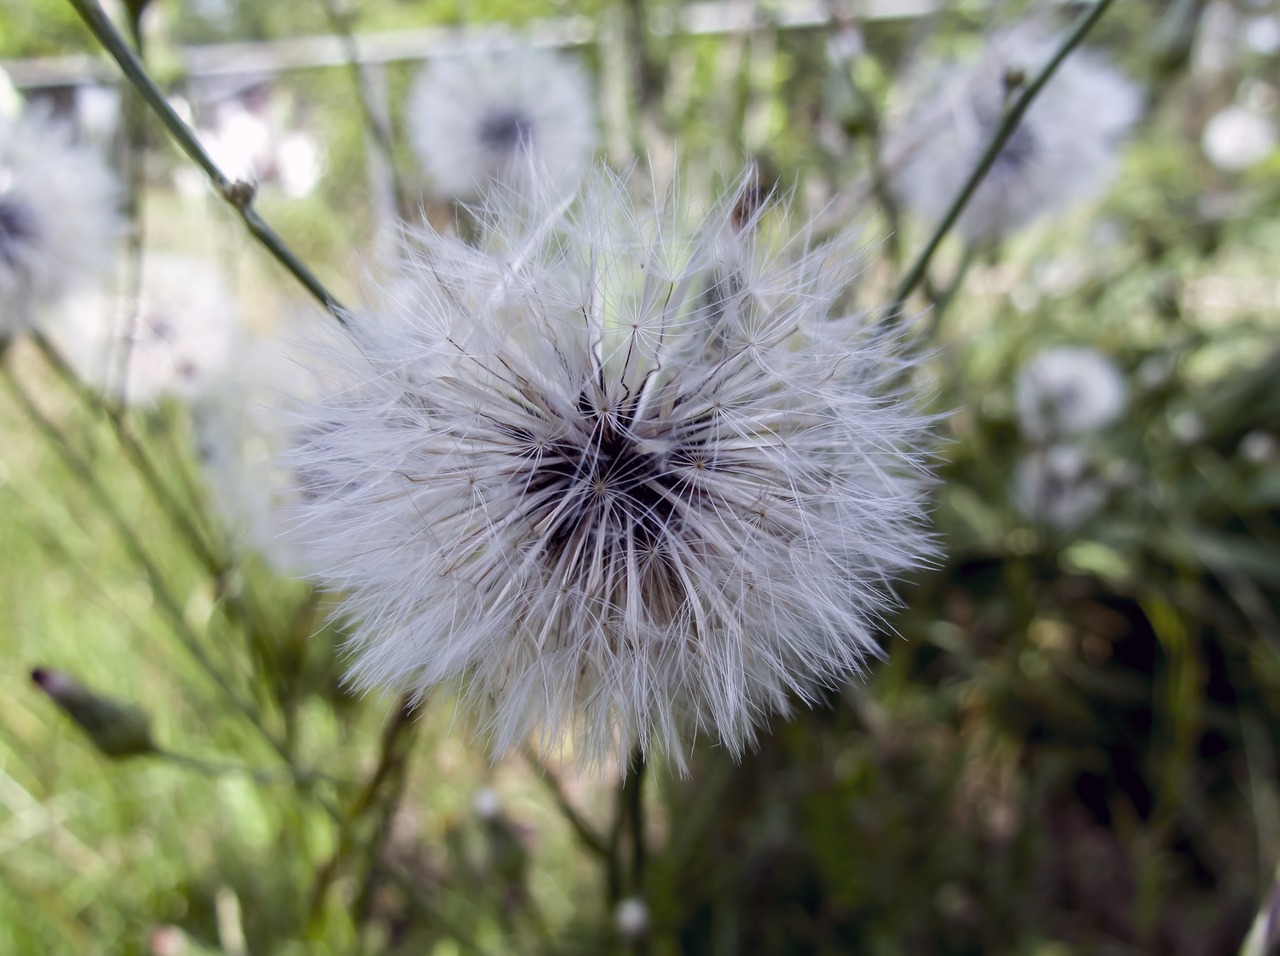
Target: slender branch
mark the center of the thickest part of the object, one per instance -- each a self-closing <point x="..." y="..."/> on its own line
<point x="629" y="820"/>
<point x="85" y="473"/>
<point x="635" y="815"/>
<point x="215" y="768"/>
<point x="340" y="21"/>
<point x="1012" y="117"/>
<point x="590" y="839"/>
<point x="133" y="161"/>
<point x="238" y="194"/>
<point x="136" y="455"/>
<point x="392" y="754"/>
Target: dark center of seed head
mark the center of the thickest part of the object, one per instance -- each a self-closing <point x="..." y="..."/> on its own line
<point x="17" y="228"/>
<point x="611" y="465"/>
<point x="504" y="131"/>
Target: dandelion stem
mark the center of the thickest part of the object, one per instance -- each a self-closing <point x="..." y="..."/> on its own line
<point x="590" y="839"/>
<point x="238" y="194"/>
<point x="392" y="754"/>
<point x="634" y="792"/>
<point x="136" y="455"/>
<point x="214" y="768"/>
<point x="915" y="275"/>
<point x="84" y="472"/>
<point x="340" y="20"/>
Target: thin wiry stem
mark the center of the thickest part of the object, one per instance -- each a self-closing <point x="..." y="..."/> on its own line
<point x="133" y="161"/>
<point x="238" y="194"/>
<point x="590" y="839"/>
<point x="136" y="455"/>
<point x="204" y="543"/>
<point x="340" y="21"/>
<point x="215" y="768"/>
<point x="86" y="474"/>
<point x="392" y="753"/>
<point x="915" y="275"/>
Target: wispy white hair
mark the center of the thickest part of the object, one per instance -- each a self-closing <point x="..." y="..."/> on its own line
<point x="618" y="477"/>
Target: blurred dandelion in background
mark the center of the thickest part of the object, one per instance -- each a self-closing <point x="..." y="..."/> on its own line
<point x="242" y="425"/>
<point x="512" y="117"/>
<point x="1062" y="396"/>
<point x="1063" y="150"/>
<point x="59" y="217"/>
<point x="1068" y="390"/>
<point x="1058" y="486"/>
<point x="176" y="343"/>
<point x="619" y="477"/>
<point x="1238" y="137"/>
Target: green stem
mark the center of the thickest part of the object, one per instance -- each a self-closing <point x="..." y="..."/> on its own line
<point x="392" y="754"/>
<point x="85" y="473"/>
<point x="590" y="839"/>
<point x="340" y="21"/>
<point x="214" y="768"/>
<point x="238" y="194"/>
<point x="915" y="275"/>
<point x="136" y="455"/>
<point x="635" y="814"/>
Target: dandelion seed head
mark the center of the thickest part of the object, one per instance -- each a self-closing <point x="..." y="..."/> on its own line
<point x="58" y="217"/>
<point x="613" y="484"/>
<point x="176" y="342"/>
<point x="1058" y="486"/>
<point x="1062" y="152"/>
<point x="502" y="117"/>
<point x="1068" y="391"/>
<point x="243" y="423"/>
<point x="631" y="918"/>
<point x="1238" y="137"/>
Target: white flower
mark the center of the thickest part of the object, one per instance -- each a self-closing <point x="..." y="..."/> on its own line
<point x="58" y="217"/>
<point x="178" y="342"/>
<point x="1057" y="486"/>
<point x="617" y="477"/>
<point x="512" y="117"/>
<point x="1062" y="152"/>
<point x="1068" y="391"/>
<point x="1238" y="137"/>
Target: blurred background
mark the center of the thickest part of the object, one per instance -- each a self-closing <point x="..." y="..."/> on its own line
<point x="1070" y="747"/>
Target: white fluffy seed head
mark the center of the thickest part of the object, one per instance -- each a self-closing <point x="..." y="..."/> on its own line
<point x="1062" y="152"/>
<point x="618" y="477"/>
<point x="177" y="342"/>
<point x="513" y="117"/>
<point x="631" y="918"/>
<point x="1239" y="137"/>
<point x="59" y="220"/>
<point x="1058" y="486"/>
<point x="243" y="424"/>
<point x="1066" y="391"/>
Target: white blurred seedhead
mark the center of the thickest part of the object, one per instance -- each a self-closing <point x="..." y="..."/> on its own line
<point x="1058" y="486"/>
<point x="1062" y="152"/>
<point x="1238" y="137"/>
<point x="631" y="918"/>
<point x="59" y="219"/>
<point x="508" y="118"/>
<point x="1068" y="391"/>
<point x="177" y="342"/>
